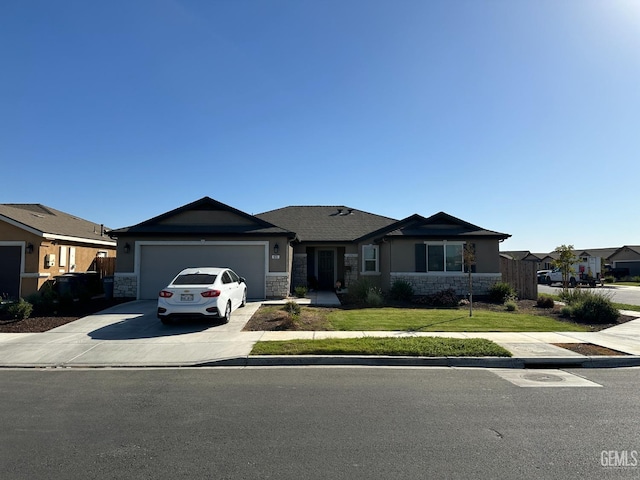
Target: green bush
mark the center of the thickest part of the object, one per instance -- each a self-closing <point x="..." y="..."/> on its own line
<point x="444" y="298"/>
<point x="545" y="301"/>
<point x="21" y="309"/>
<point x="300" y="291"/>
<point x="292" y="308"/>
<point x="510" y="306"/>
<point x="374" y="297"/>
<point x="595" y="309"/>
<point x="566" y="311"/>
<point x="401" y="290"/>
<point x="609" y="279"/>
<point x="500" y="291"/>
<point x="359" y="290"/>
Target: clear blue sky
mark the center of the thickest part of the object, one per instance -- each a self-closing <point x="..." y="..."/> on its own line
<point x="518" y="116"/>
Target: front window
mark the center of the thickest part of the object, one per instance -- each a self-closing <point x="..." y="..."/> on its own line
<point x="444" y="257"/>
<point x="370" y="258"/>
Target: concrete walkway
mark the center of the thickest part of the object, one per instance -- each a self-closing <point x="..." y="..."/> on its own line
<point x="130" y="335"/>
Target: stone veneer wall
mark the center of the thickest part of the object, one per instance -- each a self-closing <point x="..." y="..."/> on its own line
<point x="299" y="273"/>
<point x="426" y="284"/>
<point x="125" y="285"/>
<point x="278" y="285"/>
<point x="350" y="269"/>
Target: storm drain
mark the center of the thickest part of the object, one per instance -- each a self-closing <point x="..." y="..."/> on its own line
<point x="543" y="378"/>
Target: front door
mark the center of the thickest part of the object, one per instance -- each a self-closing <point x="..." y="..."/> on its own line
<point x="10" y="258"/>
<point x="326" y="269"/>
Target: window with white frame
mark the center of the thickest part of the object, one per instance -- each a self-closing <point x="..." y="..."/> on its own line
<point x="370" y="258"/>
<point x="444" y="257"/>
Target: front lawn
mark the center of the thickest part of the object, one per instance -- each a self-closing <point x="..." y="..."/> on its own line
<point x="445" y="320"/>
<point x="411" y="319"/>
<point x="406" y="346"/>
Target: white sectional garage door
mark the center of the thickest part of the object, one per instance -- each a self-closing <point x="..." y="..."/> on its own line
<point x="159" y="263"/>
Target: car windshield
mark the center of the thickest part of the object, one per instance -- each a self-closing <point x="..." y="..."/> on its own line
<point x="195" y="279"/>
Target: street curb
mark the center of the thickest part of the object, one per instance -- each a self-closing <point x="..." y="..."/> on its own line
<point x="479" y="362"/>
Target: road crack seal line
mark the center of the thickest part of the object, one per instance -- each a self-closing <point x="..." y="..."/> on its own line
<point x="498" y="434"/>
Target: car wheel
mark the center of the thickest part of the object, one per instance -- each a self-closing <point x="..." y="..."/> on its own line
<point x="227" y="313"/>
<point x="548" y="280"/>
<point x="244" y="299"/>
<point x="572" y="282"/>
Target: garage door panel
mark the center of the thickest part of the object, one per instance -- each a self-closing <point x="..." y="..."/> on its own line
<point x="160" y="263"/>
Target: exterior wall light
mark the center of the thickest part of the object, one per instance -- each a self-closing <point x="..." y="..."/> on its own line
<point x="127" y="248"/>
<point x="276" y="248"/>
<point x="29" y="248"/>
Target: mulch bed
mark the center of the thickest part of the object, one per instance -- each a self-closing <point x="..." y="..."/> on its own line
<point x="36" y="324"/>
<point x="589" y="349"/>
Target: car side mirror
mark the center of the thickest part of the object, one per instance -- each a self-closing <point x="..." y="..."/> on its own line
<point x="242" y="280"/>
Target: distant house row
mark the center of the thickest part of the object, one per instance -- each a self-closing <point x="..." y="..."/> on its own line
<point x="627" y="256"/>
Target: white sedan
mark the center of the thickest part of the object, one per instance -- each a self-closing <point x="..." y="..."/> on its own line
<point x="205" y="292"/>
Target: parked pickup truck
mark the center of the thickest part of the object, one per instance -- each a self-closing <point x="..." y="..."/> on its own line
<point x="585" y="272"/>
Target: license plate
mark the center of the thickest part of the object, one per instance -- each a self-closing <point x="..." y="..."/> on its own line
<point x="186" y="297"/>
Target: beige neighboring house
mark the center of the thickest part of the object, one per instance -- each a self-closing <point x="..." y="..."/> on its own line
<point x="627" y="256"/>
<point x="312" y="246"/>
<point x="38" y="243"/>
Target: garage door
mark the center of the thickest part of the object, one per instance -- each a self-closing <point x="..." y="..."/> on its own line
<point x="160" y="263"/>
<point x="634" y="267"/>
<point x="10" y="271"/>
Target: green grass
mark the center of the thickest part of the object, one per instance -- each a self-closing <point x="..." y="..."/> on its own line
<point x="626" y="306"/>
<point x="408" y="346"/>
<point x="444" y="320"/>
<point x="629" y="284"/>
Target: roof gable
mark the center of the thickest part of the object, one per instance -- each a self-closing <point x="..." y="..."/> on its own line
<point x="438" y="226"/>
<point x="49" y="222"/>
<point x="326" y="223"/>
<point x="204" y="216"/>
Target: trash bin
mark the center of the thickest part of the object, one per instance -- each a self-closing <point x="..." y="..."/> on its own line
<point x="107" y="284"/>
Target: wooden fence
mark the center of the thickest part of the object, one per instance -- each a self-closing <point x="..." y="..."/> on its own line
<point x="105" y="266"/>
<point x="521" y="275"/>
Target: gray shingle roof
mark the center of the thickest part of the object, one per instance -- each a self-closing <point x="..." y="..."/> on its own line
<point x="326" y="223"/>
<point x="438" y="226"/>
<point x="47" y="220"/>
<point x="157" y="225"/>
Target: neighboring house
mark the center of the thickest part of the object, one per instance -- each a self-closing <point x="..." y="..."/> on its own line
<point x="38" y="243"/>
<point x="521" y="255"/>
<point x="627" y="256"/>
<point x="315" y="246"/>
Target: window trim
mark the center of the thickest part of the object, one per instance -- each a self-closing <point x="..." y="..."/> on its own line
<point x="444" y="244"/>
<point x="376" y="249"/>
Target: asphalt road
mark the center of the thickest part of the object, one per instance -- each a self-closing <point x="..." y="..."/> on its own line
<point x="312" y="423"/>
<point x="628" y="295"/>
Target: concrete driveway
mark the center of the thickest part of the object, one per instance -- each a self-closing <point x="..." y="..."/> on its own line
<point x="130" y="335"/>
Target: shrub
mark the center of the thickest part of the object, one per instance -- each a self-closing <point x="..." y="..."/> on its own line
<point x="511" y="305"/>
<point x="444" y="298"/>
<point x="566" y="311"/>
<point x="374" y="297"/>
<point x="359" y="290"/>
<point x="545" y="301"/>
<point x="636" y="279"/>
<point x="609" y="279"/>
<point x="595" y="309"/>
<point x="499" y="292"/>
<point x="21" y="309"/>
<point x="300" y="291"/>
<point x="292" y="308"/>
<point x="401" y="290"/>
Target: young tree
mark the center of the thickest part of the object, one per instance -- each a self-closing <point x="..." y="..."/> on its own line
<point x="566" y="259"/>
<point x="469" y="256"/>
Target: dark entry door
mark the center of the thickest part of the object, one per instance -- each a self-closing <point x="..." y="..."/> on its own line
<point x="10" y="271"/>
<point x="326" y="273"/>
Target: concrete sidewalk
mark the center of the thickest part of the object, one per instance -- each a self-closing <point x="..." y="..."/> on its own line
<point x="130" y="335"/>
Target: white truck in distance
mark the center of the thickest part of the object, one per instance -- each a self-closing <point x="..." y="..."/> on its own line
<point x="586" y="272"/>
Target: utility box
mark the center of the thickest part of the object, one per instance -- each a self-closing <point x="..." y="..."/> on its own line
<point x="50" y="260"/>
